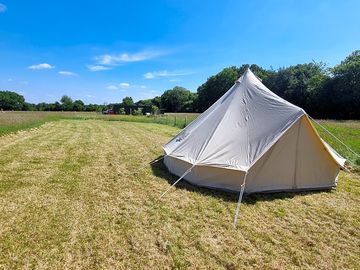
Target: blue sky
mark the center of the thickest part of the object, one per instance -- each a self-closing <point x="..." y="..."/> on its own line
<point x="101" y="51"/>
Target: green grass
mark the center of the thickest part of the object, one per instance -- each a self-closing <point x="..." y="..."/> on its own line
<point x="67" y="200"/>
<point x="13" y="121"/>
<point x="348" y="132"/>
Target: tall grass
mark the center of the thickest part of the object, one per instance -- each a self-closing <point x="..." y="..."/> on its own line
<point x="15" y="121"/>
<point x="180" y="121"/>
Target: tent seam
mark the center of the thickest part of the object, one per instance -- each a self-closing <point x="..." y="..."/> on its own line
<point x="274" y="141"/>
<point x="193" y="123"/>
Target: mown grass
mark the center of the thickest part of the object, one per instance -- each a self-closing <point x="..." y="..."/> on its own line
<point x="68" y="200"/>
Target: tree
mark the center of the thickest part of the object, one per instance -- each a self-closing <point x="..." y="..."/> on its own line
<point x="57" y="106"/>
<point x="67" y="103"/>
<point x="78" y="105"/>
<point x="299" y="84"/>
<point x="137" y="112"/>
<point x="190" y="104"/>
<point x="121" y="111"/>
<point x="263" y="74"/>
<point x="11" y="101"/>
<point x="29" y="107"/>
<point x="156" y="101"/>
<point x="216" y="86"/>
<point x="128" y="101"/>
<point x="344" y="87"/>
<point x="173" y="100"/>
<point x="145" y="102"/>
<point x="154" y="109"/>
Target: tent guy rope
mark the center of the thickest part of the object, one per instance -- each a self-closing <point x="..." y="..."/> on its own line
<point x="181" y="177"/>
<point x="144" y="166"/>
<point x="340" y="141"/>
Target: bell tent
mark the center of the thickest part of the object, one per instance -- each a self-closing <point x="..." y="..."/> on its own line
<point x="251" y="140"/>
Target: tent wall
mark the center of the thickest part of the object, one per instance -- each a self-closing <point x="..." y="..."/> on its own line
<point x="275" y="170"/>
<point x="298" y="160"/>
<point x="316" y="168"/>
<point x="206" y="176"/>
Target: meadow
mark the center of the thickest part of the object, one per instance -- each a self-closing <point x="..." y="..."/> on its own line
<point x="12" y="121"/>
<point x="69" y="200"/>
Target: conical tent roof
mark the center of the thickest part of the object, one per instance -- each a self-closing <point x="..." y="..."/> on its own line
<point x="236" y="130"/>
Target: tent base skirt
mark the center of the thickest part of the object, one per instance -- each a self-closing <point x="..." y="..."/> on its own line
<point x="213" y="178"/>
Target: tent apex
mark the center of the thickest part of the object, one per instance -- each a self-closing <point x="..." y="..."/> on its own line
<point x="247" y="71"/>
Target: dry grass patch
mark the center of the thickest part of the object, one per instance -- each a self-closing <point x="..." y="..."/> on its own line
<point x="67" y="201"/>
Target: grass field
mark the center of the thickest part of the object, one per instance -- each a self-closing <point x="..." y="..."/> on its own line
<point x="12" y="121"/>
<point x="347" y="131"/>
<point x="68" y="200"/>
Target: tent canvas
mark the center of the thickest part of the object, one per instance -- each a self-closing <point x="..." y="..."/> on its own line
<point x="252" y="135"/>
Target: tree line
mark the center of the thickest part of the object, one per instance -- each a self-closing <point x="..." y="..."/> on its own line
<point x="323" y="92"/>
<point x="177" y="99"/>
<point x="12" y="101"/>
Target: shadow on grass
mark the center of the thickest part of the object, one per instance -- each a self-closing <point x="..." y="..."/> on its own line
<point x="159" y="169"/>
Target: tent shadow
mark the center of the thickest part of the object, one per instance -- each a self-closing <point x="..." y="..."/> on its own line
<point x="159" y="170"/>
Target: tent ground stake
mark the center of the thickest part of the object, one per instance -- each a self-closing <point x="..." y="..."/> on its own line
<point x="238" y="204"/>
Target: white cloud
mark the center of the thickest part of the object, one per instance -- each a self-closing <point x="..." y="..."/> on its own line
<point x="67" y="73"/>
<point x="97" y="67"/>
<point x="165" y="73"/>
<point x="143" y="86"/>
<point x="41" y="66"/>
<point x="112" y="87"/>
<point x="119" y="86"/>
<point x="11" y="80"/>
<point x="116" y="59"/>
<point x="124" y="85"/>
<point x="175" y="80"/>
<point x="149" y="75"/>
<point x="3" y="8"/>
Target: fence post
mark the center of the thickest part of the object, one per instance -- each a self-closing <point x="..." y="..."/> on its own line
<point x="185" y="121"/>
<point x="175" y="121"/>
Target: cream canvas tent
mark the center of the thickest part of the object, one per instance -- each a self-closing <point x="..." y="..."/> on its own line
<point x="251" y="140"/>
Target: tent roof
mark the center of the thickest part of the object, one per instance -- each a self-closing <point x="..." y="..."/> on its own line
<point x="237" y="129"/>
